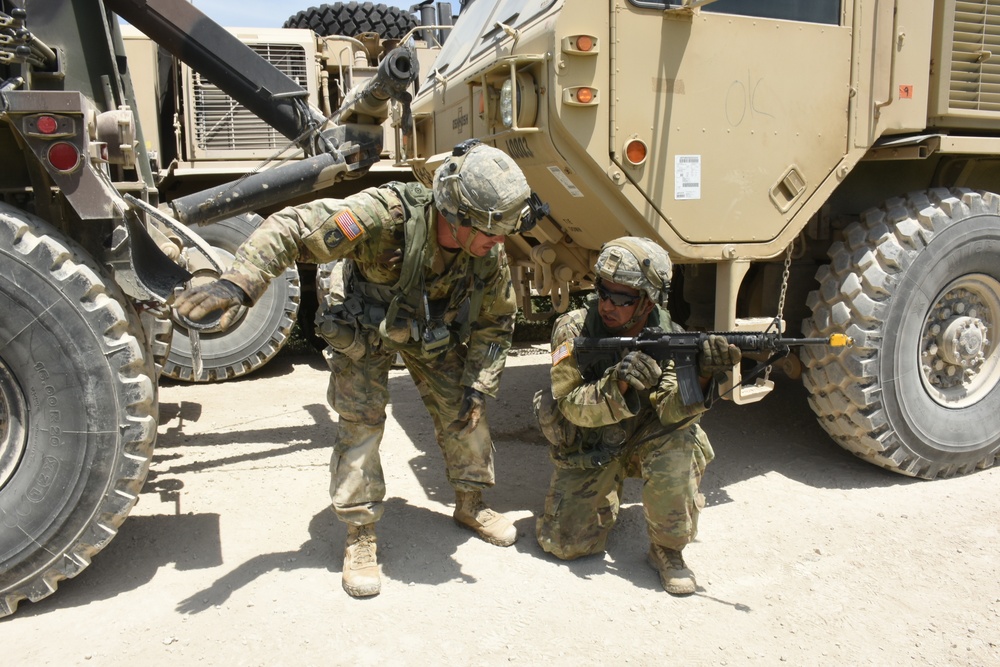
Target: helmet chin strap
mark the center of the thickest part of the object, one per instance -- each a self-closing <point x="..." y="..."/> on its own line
<point x="454" y="226"/>
<point x="473" y="233"/>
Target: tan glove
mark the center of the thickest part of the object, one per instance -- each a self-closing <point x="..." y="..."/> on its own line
<point x="639" y="370"/>
<point x="717" y="356"/>
<point x="473" y="406"/>
<point x="198" y="303"/>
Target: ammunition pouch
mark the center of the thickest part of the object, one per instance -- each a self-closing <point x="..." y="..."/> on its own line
<point x="405" y="326"/>
<point x="340" y="328"/>
<point x="549" y="418"/>
<point x="571" y="446"/>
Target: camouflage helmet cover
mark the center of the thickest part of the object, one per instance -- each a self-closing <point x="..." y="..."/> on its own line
<point x="482" y="187"/>
<point x="636" y="262"/>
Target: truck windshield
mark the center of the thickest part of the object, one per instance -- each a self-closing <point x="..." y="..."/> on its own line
<point x="476" y="29"/>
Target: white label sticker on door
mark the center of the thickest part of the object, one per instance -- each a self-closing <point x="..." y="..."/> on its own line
<point x="687" y="177"/>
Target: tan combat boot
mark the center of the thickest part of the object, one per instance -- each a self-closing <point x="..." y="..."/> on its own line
<point x="676" y="578"/>
<point x="360" y="576"/>
<point x="471" y="512"/>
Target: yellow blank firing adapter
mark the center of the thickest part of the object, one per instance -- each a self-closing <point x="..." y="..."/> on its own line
<point x="841" y="340"/>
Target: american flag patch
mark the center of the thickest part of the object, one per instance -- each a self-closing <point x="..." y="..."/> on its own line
<point x="560" y="353"/>
<point x="348" y="224"/>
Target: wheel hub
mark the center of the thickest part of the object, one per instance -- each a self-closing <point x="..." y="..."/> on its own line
<point x="962" y="342"/>
<point x="959" y="362"/>
<point x="13" y="423"/>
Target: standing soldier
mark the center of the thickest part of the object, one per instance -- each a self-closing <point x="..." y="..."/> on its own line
<point x="427" y="278"/>
<point x="622" y="416"/>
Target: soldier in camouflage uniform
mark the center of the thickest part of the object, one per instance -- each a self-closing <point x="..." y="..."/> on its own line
<point x="426" y="277"/>
<point x="621" y="416"/>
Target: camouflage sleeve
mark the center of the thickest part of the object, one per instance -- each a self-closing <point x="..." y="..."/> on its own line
<point x="318" y="231"/>
<point x="587" y="404"/>
<point x="666" y="399"/>
<point x="490" y="338"/>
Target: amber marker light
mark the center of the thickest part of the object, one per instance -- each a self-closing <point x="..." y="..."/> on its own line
<point x="580" y="45"/>
<point x="635" y="152"/>
<point x="585" y="95"/>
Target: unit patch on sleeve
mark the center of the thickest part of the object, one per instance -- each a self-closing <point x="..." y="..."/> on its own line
<point x="561" y="353"/>
<point x="348" y="224"/>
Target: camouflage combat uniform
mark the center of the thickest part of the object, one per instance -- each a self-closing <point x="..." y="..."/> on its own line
<point x="448" y="314"/>
<point x="603" y="437"/>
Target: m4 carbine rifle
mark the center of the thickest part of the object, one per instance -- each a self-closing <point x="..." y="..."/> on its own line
<point x="683" y="348"/>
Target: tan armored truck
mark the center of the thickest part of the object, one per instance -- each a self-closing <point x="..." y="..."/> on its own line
<point x="831" y="163"/>
<point x="200" y="137"/>
<point x="90" y="257"/>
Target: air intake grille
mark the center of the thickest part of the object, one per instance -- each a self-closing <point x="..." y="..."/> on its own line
<point x="975" y="57"/>
<point x="222" y="124"/>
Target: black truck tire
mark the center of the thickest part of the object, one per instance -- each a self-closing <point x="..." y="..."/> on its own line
<point x="353" y="18"/>
<point x="78" y="408"/>
<point x="259" y="332"/>
<point x="917" y="284"/>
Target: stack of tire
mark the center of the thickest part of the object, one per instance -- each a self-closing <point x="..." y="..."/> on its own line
<point x="354" y="18"/>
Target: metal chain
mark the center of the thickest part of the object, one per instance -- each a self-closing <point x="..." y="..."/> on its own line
<point x="784" y="282"/>
<point x="780" y="317"/>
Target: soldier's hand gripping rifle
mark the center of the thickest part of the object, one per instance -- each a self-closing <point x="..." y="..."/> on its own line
<point x="683" y="350"/>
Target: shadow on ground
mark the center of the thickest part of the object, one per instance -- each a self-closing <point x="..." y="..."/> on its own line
<point x="777" y="435"/>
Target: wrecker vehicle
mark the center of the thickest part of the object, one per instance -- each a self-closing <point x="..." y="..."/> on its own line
<point x="90" y="257"/>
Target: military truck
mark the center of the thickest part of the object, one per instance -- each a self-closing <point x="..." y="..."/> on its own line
<point x="91" y="259"/>
<point x="832" y="163"/>
<point x="199" y="137"/>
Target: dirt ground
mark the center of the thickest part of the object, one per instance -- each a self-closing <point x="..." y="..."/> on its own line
<point x="806" y="556"/>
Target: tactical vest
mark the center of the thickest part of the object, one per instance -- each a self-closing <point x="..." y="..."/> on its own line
<point x="402" y="313"/>
<point x="578" y="447"/>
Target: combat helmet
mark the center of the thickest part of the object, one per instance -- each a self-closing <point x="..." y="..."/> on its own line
<point x="636" y="262"/>
<point x="481" y="186"/>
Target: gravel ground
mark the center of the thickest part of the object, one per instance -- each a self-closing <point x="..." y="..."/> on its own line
<point x="806" y="556"/>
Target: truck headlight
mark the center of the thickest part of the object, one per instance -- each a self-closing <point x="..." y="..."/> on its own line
<point x="507" y="103"/>
<point x="518" y="103"/>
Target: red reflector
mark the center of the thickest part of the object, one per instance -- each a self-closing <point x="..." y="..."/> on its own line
<point x="64" y="156"/>
<point x="585" y="43"/>
<point x="47" y="124"/>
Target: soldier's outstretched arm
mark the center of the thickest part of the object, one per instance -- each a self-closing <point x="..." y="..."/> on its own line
<point x="316" y="232"/>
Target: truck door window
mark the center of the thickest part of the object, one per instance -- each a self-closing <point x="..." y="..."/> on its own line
<point x="810" y="11"/>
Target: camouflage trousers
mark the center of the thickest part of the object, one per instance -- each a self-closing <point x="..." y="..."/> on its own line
<point x="359" y="392"/>
<point x="581" y="506"/>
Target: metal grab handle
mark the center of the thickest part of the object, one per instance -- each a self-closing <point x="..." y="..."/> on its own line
<point x="892" y="57"/>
